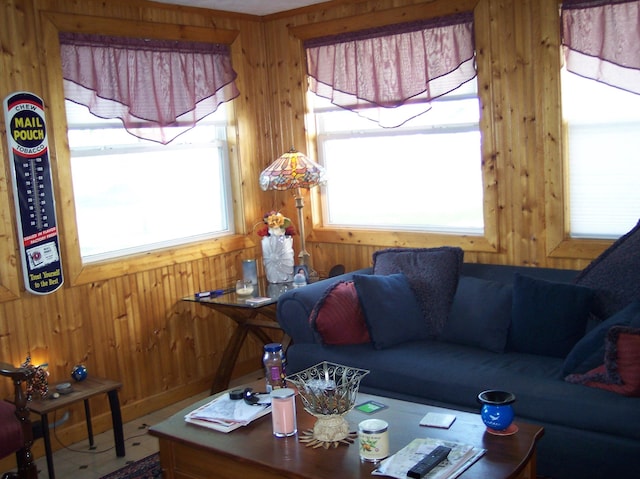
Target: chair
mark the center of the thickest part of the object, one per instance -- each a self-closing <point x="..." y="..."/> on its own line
<point x="16" y="435"/>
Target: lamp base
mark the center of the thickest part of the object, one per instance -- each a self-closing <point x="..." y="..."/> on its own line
<point x="305" y="259"/>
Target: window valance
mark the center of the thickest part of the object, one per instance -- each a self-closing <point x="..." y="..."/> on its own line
<point x="158" y="88"/>
<point x="600" y="39"/>
<point x="372" y="72"/>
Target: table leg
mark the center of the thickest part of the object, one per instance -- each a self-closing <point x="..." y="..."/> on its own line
<point x="116" y="420"/>
<point x="87" y="415"/>
<point x="229" y="358"/>
<point x="44" y="421"/>
<point x="260" y="334"/>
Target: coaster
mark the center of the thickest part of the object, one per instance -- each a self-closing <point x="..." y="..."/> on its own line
<point x="512" y="429"/>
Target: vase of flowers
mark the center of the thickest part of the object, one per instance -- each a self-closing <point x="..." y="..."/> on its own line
<point x="277" y="247"/>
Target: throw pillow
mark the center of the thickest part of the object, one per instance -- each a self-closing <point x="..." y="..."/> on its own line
<point x="337" y="316"/>
<point x="615" y="275"/>
<point x="589" y="351"/>
<point x="391" y="310"/>
<point x="480" y="314"/>
<point x="547" y="318"/>
<point x="432" y="273"/>
<point x="620" y="372"/>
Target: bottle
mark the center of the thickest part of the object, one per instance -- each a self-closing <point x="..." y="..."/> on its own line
<point x="299" y="280"/>
<point x="274" y="366"/>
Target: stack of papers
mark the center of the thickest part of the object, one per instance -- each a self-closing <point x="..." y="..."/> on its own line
<point x="461" y="457"/>
<point x="226" y="414"/>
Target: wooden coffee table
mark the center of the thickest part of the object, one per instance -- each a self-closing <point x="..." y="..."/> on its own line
<point x="189" y="451"/>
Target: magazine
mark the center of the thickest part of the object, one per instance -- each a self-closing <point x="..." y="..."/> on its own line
<point x="225" y="414"/>
<point x="461" y="457"/>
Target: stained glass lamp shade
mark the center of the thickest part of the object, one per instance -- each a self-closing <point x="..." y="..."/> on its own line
<point x="293" y="171"/>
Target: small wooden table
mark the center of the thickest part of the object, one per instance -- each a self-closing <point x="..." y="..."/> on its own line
<point x="249" y="319"/>
<point x="82" y="391"/>
<point x="194" y="452"/>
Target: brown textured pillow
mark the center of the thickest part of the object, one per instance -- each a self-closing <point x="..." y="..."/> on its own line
<point x="337" y="317"/>
<point x="620" y="372"/>
<point x="615" y="275"/>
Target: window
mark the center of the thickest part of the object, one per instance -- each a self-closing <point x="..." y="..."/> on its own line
<point x="133" y="195"/>
<point x="602" y="124"/>
<point x="425" y="175"/>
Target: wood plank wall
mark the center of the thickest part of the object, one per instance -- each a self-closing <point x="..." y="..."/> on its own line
<point x="129" y="323"/>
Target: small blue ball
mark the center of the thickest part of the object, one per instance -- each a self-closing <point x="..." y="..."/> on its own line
<point x="79" y="372"/>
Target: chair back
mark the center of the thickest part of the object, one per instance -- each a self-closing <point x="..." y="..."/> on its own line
<point x="16" y="433"/>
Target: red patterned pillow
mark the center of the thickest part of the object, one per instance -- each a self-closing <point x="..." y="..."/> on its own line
<point x="337" y="316"/>
<point x="620" y="372"/>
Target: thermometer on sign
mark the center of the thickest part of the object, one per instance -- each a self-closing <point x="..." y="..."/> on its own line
<point x="33" y="192"/>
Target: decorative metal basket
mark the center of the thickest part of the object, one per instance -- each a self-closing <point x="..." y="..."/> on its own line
<point x="328" y="392"/>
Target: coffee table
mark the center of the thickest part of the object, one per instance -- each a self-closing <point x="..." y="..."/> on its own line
<point x="189" y="451"/>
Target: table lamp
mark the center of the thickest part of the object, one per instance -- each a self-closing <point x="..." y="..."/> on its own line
<point x="293" y="171"/>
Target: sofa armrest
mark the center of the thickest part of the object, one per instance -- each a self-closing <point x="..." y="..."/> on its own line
<point x="295" y="306"/>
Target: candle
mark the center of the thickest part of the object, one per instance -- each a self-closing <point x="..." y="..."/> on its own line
<point x="283" y="412"/>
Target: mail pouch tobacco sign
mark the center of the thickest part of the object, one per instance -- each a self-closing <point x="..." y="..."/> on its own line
<point x="33" y="192"/>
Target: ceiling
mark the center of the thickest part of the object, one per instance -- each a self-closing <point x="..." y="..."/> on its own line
<point x="252" y="7"/>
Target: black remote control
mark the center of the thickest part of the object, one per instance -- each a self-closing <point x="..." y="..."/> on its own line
<point x="429" y="461"/>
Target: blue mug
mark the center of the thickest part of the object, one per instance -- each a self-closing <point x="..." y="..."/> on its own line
<point x="496" y="412"/>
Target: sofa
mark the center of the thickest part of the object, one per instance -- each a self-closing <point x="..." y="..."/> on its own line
<point x="566" y="343"/>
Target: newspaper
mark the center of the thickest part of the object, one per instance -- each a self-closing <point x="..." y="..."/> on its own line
<point x="226" y="414"/>
<point x="461" y="457"/>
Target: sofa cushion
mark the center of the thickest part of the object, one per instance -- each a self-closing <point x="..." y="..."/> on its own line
<point x="480" y="314"/>
<point x="337" y="316"/>
<point x="620" y="372"/>
<point x="615" y="275"/>
<point x="588" y="353"/>
<point x="547" y="318"/>
<point x="391" y="310"/>
<point x="433" y="274"/>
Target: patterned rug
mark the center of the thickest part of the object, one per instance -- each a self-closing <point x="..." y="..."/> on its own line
<point x="147" y="468"/>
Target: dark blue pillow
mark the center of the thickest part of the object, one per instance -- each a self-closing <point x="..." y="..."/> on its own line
<point x="588" y="353"/>
<point x="547" y="318"/>
<point x="391" y="310"/>
<point x="432" y="273"/>
<point x="480" y="314"/>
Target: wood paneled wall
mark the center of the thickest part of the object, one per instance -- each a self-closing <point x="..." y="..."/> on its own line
<point x="128" y="323"/>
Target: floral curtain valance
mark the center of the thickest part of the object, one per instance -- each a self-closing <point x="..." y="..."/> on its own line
<point x="373" y="72"/>
<point x="158" y="88"/>
<point x="601" y="41"/>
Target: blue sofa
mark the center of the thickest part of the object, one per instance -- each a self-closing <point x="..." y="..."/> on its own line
<point x="589" y="432"/>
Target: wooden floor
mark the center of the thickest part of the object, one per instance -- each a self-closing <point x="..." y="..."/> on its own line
<point x="77" y="461"/>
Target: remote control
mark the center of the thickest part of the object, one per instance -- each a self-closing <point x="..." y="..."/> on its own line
<point x="429" y="461"/>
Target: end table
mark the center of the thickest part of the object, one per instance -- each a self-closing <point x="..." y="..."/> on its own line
<point x="249" y="318"/>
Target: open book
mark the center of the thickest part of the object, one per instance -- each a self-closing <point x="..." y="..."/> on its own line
<point x="226" y="414"/>
<point x="461" y="457"/>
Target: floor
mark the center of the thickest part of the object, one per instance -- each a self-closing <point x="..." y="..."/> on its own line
<point x="78" y="461"/>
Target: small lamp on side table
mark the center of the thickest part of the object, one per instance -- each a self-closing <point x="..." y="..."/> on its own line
<point x="293" y="171"/>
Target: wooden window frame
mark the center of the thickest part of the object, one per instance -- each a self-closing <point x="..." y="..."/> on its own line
<point x="489" y="241"/>
<point x="76" y="271"/>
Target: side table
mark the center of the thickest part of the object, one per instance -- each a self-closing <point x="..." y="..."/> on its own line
<point x="249" y="318"/>
<point x="82" y="391"/>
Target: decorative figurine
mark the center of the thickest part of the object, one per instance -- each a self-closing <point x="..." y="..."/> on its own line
<point x="79" y="372"/>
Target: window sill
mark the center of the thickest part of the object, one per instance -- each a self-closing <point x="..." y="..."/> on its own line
<point x="405" y="239"/>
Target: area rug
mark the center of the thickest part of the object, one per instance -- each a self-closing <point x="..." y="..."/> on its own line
<point x="147" y="468"/>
